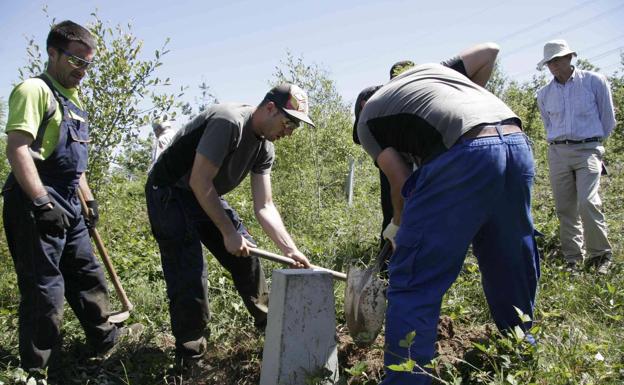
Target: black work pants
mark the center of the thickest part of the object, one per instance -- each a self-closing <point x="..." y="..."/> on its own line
<point x="48" y="269"/>
<point x="180" y="227"/>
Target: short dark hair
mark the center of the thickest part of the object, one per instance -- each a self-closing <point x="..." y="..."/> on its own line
<point x="362" y="97"/>
<point x="67" y="31"/>
<point x="399" y="67"/>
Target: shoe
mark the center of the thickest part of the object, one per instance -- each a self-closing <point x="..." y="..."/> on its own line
<point x="602" y="263"/>
<point x="190" y="352"/>
<point x="128" y="333"/>
<point x="603" y="267"/>
<point x="572" y="267"/>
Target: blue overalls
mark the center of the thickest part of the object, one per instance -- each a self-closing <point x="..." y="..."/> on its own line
<point x="49" y="268"/>
<point x="479" y="192"/>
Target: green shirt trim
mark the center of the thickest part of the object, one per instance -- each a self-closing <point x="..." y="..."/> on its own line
<point x="28" y="105"/>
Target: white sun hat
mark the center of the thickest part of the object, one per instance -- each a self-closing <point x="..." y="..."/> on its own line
<point x="553" y="49"/>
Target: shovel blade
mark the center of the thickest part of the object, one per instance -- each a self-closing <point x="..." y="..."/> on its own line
<point x="118" y="317"/>
<point x="365" y="305"/>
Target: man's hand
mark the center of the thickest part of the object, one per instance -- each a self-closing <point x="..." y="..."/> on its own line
<point x="390" y="232"/>
<point x="50" y="219"/>
<point x="237" y="245"/>
<point x="301" y="261"/>
<point x="93" y="215"/>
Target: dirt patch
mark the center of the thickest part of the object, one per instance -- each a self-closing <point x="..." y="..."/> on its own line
<point x="455" y="341"/>
<point x="454" y="346"/>
<point x="349" y="355"/>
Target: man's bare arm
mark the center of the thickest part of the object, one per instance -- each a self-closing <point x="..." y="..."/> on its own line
<point x="201" y="182"/>
<point x="270" y="219"/>
<point x="397" y="171"/>
<point x="479" y="62"/>
<point x="22" y="164"/>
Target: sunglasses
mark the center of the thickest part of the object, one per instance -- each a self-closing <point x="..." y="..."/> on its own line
<point x="76" y="61"/>
<point x="289" y="122"/>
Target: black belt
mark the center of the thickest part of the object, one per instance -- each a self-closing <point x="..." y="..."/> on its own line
<point x="570" y="141"/>
<point x="490" y="130"/>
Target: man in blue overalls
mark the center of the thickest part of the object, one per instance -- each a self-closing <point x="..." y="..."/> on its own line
<point x="47" y="137"/>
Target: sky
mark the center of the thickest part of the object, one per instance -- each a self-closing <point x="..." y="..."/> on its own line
<point x="234" y="46"/>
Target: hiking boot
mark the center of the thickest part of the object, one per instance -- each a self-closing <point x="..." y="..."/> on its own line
<point x="128" y="333"/>
<point x="572" y="267"/>
<point x="190" y="352"/>
<point x="602" y="264"/>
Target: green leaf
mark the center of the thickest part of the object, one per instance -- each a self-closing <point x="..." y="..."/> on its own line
<point x="406" y="366"/>
<point x="409" y="339"/>
<point x="480" y="347"/>
<point x="523" y="317"/>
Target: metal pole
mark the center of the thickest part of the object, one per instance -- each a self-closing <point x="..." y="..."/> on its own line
<point x="350" y="182"/>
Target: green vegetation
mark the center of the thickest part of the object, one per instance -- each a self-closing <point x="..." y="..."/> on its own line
<point x="579" y="320"/>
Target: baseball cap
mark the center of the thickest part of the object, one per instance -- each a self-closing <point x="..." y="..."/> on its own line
<point x="364" y="95"/>
<point x="292" y="100"/>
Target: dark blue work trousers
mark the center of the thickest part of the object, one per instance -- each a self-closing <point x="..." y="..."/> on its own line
<point x="479" y="192"/>
<point x="180" y="227"/>
<point x="48" y="269"/>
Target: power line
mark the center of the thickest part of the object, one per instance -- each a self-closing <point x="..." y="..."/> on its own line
<point x="611" y="65"/>
<point x="457" y="22"/>
<point x="559" y="33"/>
<point x="544" y="21"/>
<point x="584" y="50"/>
<point x="597" y="57"/>
<point x="601" y="44"/>
<point x="605" y="54"/>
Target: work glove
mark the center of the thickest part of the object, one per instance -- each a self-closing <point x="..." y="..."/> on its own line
<point x="49" y="217"/>
<point x="93" y="215"/>
<point x="390" y="232"/>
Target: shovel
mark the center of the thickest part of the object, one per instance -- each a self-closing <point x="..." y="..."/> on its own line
<point x="124" y="313"/>
<point x="289" y="261"/>
<point x="365" y="299"/>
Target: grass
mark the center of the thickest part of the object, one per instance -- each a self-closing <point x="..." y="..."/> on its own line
<point x="579" y="319"/>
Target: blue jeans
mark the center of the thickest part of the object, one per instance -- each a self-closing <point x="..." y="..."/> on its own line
<point x="479" y="192"/>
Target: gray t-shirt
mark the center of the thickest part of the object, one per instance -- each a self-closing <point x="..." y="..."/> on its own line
<point x="222" y="133"/>
<point x="425" y="110"/>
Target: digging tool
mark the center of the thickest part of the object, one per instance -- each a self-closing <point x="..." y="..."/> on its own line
<point x="124" y="313"/>
<point x="365" y="299"/>
<point x="289" y="261"/>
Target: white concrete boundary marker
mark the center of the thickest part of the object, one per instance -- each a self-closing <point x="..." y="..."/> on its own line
<point x="300" y="339"/>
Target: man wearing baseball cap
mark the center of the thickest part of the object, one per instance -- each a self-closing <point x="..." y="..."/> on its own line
<point x="577" y="110"/>
<point x="208" y="158"/>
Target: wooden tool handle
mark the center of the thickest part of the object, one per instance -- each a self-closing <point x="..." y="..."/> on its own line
<point x="289" y="261"/>
<point x="121" y="293"/>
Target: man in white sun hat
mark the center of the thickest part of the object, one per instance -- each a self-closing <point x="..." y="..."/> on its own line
<point x="578" y="115"/>
<point x="163" y="133"/>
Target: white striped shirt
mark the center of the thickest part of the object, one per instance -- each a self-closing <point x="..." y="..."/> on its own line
<point x="581" y="108"/>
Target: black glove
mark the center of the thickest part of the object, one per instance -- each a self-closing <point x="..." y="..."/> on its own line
<point x="93" y="216"/>
<point x="50" y="218"/>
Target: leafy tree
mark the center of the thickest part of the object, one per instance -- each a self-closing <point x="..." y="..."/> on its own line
<point x="3" y="112"/>
<point x="135" y="156"/>
<point x="4" y="164"/>
<point x="498" y="81"/>
<point x="121" y="94"/>
<point x="206" y="99"/>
